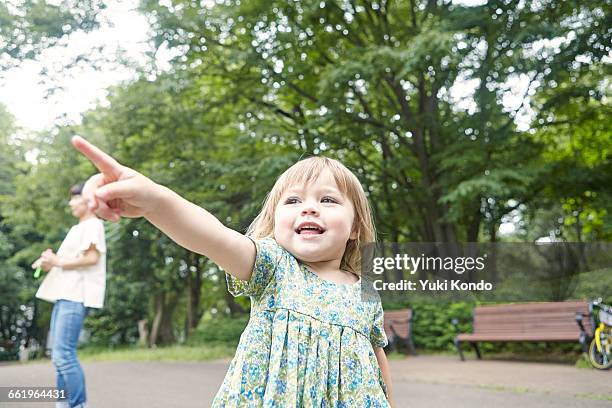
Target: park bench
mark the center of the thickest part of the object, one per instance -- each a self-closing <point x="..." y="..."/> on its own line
<point x="541" y="321"/>
<point x="398" y="328"/>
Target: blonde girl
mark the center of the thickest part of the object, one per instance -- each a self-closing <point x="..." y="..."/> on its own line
<point x="312" y="340"/>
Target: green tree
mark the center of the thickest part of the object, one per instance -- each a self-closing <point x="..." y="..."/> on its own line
<point x="28" y="27"/>
<point x="370" y="82"/>
<point x="14" y="322"/>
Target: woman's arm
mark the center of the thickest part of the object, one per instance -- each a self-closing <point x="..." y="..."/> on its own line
<point x="119" y="191"/>
<point x="89" y="257"/>
<point x="386" y="373"/>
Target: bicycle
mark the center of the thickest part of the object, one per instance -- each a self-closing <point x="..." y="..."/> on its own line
<point x="600" y="350"/>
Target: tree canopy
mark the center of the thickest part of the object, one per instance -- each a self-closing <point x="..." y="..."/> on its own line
<point x="456" y="119"/>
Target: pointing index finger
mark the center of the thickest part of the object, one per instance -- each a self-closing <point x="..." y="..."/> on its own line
<point x="105" y="163"/>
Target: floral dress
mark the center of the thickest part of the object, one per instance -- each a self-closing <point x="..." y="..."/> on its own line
<point x="308" y="342"/>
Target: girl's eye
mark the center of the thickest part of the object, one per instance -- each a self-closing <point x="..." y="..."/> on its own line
<point x="326" y="199"/>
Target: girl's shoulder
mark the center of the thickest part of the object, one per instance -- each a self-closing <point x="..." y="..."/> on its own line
<point x="272" y="256"/>
<point x="269" y="249"/>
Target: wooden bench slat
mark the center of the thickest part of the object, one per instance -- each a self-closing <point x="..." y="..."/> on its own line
<point x="533" y="308"/>
<point x="525" y="326"/>
<point x="520" y="337"/>
<point x="397" y="324"/>
<point x="528" y="328"/>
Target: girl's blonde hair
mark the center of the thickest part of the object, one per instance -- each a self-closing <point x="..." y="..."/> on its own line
<point x="304" y="172"/>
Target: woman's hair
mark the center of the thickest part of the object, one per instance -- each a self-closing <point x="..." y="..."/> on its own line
<point x="304" y="172"/>
<point x="77" y="189"/>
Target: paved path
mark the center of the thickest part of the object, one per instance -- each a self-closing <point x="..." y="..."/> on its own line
<point x="424" y="381"/>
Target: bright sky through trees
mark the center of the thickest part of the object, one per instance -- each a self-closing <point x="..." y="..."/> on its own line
<point x="124" y="33"/>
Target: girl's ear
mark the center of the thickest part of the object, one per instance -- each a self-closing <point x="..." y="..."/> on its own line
<point x="354" y="233"/>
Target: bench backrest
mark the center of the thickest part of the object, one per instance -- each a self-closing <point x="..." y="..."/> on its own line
<point x="533" y="318"/>
<point x="401" y="320"/>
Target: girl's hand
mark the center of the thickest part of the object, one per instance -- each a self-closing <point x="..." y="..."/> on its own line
<point x="117" y="191"/>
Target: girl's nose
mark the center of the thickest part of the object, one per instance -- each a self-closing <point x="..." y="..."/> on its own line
<point x="309" y="208"/>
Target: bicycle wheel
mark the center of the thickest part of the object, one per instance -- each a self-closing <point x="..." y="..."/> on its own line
<point x="600" y="360"/>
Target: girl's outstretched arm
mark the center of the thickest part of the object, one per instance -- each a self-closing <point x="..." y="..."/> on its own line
<point x="118" y="191"/>
<point x="386" y="372"/>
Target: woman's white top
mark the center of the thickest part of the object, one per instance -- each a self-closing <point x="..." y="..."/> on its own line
<point x="84" y="284"/>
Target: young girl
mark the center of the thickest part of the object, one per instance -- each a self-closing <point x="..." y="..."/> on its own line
<point x="311" y="339"/>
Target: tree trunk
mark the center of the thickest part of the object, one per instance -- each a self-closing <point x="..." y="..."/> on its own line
<point x="473" y="227"/>
<point x="194" y="287"/>
<point x="143" y="332"/>
<point x="161" y="332"/>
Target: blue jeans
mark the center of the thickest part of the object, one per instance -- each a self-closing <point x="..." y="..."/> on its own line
<point x="66" y="322"/>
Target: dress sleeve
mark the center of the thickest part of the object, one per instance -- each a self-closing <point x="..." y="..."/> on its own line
<point x="378" y="338"/>
<point x="267" y="257"/>
<point x="93" y="233"/>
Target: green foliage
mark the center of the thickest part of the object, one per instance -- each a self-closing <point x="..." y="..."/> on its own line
<point x="125" y="305"/>
<point x="16" y="292"/>
<point x="219" y="329"/>
<point x="16" y="283"/>
<point x="432" y="325"/>
<point x="595" y="284"/>
<point x="28" y="27"/>
<point x="256" y="85"/>
<point x="370" y="83"/>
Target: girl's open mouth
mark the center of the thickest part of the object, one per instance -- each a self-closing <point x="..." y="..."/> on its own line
<point x="309" y="228"/>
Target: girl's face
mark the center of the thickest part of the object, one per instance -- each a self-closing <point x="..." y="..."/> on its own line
<point x="314" y="221"/>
